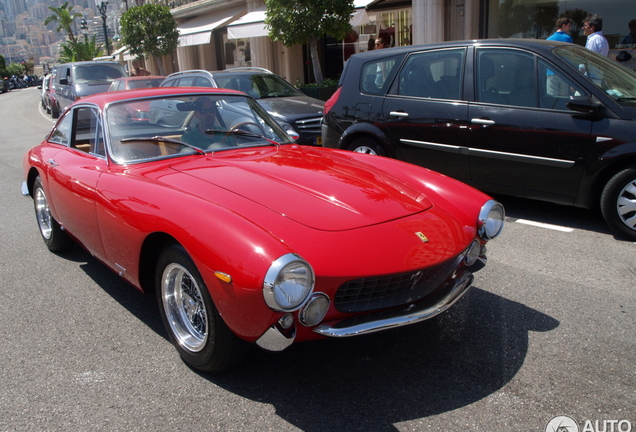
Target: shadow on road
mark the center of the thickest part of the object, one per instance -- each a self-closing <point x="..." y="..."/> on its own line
<point x="372" y="382"/>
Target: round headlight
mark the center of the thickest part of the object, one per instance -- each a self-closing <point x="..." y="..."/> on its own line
<point x="288" y="283"/>
<point x="491" y="220"/>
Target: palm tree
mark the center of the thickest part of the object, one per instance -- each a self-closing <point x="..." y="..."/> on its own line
<point x="64" y="16"/>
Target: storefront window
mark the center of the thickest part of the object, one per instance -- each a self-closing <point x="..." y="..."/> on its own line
<point x="536" y="19"/>
<point x="394" y="27"/>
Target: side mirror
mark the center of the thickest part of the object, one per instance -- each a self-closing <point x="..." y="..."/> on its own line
<point x="583" y="104"/>
<point x="293" y="135"/>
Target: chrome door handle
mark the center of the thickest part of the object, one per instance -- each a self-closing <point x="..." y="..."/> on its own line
<point x="398" y="114"/>
<point x="486" y="122"/>
<point x="53" y="163"/>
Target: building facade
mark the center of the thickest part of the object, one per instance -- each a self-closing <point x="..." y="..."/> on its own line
<point x="219" y="34"/>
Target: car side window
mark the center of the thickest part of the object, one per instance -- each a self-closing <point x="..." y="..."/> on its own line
<point x="203" y="82"/>
<point x="376" y="74"/>
<point x="186" y="81"/>
<point x="62" y="132"/>
<point x="433" y="74"/>
<point x="87" y="136"/>
<point x="506" y="77"/>
<point x="518" y="78"/>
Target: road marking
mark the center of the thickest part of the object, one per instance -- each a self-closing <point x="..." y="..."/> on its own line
<point x="544" y="225"/>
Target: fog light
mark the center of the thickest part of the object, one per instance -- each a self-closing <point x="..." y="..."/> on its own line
<point x="286" y="321"/>
<point x="473" y="253"/>
<point x="314" y="310"/>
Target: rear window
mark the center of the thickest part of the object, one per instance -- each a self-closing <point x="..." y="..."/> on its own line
<point x="98" y="72"/>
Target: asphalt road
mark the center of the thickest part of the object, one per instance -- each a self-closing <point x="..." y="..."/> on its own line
<point x="548" y="329"/>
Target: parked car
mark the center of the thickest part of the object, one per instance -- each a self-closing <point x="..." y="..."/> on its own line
<point x="4" y="85"/>
<point x="136" y="111"/>
<point x="250" y="237"/>
<point x="136" y="82"/>
<point x="535" y="119"/>
<point x="80" y="79"/>
<point x="44" y="90"/>
<point x="50" y="101"/>
<point x="292" y="109"/>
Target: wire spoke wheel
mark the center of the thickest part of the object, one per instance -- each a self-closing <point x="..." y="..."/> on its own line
<point x="184" y="307"/>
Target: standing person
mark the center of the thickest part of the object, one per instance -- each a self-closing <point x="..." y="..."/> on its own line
<point x="592" y="26"/>
<point x="379" y="43"/>
<point x="138" y="70"/>
<point x="563" y="25"/>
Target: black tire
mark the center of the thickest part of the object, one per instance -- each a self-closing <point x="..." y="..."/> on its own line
<point x="52" y="234"/>
<point x="194" y="326"/>
<point x="55" y="112"/>
<point x="367" y="146"/>
<point x="618" y="203"/>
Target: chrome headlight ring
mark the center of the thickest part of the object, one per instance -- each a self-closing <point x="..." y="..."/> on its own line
<point x="491" y="220"/>
<point x="288" y="283"/>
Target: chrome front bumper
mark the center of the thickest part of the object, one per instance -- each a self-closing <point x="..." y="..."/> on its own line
<point x="413" y="315"/>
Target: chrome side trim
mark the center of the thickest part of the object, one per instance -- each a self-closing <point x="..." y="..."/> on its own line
<point x="274" y="340"/>
<point x="521" y="158"/>
<point x="462" y="284"/>
<point x="516" y="157"/>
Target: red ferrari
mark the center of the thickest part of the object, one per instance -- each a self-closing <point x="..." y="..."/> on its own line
<point x="246" y="237"/>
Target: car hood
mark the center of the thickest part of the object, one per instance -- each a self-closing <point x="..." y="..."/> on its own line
<point x="329" y="191"/>
<point x="292" y="107"/>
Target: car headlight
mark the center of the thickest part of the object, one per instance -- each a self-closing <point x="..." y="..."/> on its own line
<point x="288" y="283"/>
<point x="491" y="220"/>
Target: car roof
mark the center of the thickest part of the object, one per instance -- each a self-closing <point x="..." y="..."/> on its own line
<point x="139" y="78"/>
<point x="238" y="70"/>
<point x="534" y="44"/>
<point x="103" y="99"/>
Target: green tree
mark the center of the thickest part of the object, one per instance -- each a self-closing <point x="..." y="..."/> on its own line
<point x="297" y="22"/>
<point x="80" y="50"/>
<point x="64" y="16"/>
<point x="3" y="63"/>
<point x="15" y="69"/>
<point x="150" y="29"/>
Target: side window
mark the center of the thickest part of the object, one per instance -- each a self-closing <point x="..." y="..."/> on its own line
<point x="375" y="75"/>
<point x="186" y="81"/>
<point x="433" y="74"/>
<point x="168" y="83"/>
<point x="203" y="82"/>
<point x="87" y="135"/>
<point x="62" y="132"/>
<point x="555" y="88"/>
<point x="507" y="77"/>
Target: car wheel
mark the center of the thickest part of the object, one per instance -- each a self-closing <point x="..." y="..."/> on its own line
<point x="55" y="113"/>
<point x="193" y="324"/>
<point x="618" y="203"/>
<point x="367" y="146"/>
<point x="52" y="234"/>
<point x="48" y="109"/>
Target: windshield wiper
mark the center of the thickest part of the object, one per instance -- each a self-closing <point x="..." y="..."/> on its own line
<point x="158" y="139"/>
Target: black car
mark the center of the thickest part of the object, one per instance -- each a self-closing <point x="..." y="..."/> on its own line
<point x="536" y="119"/>
<point x="292" y="109"/>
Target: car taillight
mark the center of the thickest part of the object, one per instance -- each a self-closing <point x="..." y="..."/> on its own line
<point x="332" y="100"/>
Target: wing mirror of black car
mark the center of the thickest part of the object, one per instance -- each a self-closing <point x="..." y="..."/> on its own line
<point x="583" y="104"/>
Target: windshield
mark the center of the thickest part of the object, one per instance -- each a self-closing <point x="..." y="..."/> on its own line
<point x="98" y="72"/>
<point x="259" y="86"/>
<point x="613" y="79"/>
<point x="187" y="124"/>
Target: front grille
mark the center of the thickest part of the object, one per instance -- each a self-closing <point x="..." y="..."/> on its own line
<point x="370" y="294"/>
<point x="309" y="125"/>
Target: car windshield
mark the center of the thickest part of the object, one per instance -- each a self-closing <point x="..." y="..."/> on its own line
<point x="613" y="79"/>
<point x="259" y="86"/>
<point x="187" y="124"/>
<point x="144" y="83"/>
<point x="98" y="72"/>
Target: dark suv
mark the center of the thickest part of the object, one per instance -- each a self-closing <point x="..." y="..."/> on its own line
<point x="291" y="108"/>
<point x="535" y="119"/>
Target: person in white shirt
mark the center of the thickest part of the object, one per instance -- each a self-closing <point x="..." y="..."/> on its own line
<point x="592" y="26"/>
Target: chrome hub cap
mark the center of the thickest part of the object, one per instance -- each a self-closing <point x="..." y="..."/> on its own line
<point x="626" y="205"/>
<point x="184" y="307"/>
<point x="365" y="149"/>
<point x="43" y="214"/>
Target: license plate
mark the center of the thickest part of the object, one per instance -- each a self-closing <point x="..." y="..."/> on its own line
<point x="318" y="141"/>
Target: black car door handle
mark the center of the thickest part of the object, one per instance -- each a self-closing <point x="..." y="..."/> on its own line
<point x="486" y="122"/>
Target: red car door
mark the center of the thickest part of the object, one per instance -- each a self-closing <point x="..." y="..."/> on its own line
<point x="74" y="173"/>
